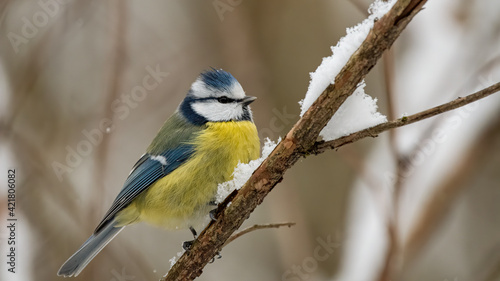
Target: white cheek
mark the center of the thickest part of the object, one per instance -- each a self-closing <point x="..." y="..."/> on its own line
<point x="215" y="111"/>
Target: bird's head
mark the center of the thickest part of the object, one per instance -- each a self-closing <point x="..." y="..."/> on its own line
<point x="216" y="96"/>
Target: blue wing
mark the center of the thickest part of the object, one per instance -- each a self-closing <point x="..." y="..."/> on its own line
<point x="146" y="171"/>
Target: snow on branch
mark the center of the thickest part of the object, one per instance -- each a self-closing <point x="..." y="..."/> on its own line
<point x="359" y="111"/>
<point x="242" y="172"/>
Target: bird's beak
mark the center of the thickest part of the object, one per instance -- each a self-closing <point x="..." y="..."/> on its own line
<point x="248" y="100"/>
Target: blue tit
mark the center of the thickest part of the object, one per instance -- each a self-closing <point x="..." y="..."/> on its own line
<point x="174" y="184"/>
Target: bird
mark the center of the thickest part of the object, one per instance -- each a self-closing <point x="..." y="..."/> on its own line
<point x="174" y="184"/>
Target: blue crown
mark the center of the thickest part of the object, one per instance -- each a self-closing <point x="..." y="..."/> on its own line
<point x="218" y="79"/>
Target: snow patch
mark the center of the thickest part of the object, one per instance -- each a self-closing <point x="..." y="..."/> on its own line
<point x="331" y="66"/>
<point x="243" y="172"/>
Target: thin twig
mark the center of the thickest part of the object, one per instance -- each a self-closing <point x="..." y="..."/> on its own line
<point x="256" y="227"/>
<point x="474" y="77"/>
<point x="321" y="146"/>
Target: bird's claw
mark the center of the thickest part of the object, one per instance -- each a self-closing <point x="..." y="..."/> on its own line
<point x="187" y="245"/>
<point x="212" y="214"/>
<point x="217" y="256"/>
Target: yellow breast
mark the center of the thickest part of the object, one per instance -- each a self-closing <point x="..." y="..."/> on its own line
<point x="182" y="196"/>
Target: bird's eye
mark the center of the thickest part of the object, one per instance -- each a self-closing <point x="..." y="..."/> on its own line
<point x="224" y="99"/>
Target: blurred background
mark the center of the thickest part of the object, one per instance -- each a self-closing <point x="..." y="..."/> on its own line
<point x="417" y="203"/>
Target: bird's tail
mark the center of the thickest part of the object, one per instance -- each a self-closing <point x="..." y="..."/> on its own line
<point x="79" y="260"/>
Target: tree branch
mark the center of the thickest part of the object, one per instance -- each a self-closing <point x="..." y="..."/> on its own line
<point x="256" y="227"/>
<point x="301" y="138"/>
<point x="321" y="146"/>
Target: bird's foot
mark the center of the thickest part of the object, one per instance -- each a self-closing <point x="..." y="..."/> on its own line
<point x="212" y="214"/>
<point x="187" y="245"/>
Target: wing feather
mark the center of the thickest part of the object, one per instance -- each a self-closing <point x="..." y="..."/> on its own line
<point x="148" y="169"/>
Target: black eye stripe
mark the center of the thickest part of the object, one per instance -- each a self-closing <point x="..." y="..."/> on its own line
<point x="229" y="100"/>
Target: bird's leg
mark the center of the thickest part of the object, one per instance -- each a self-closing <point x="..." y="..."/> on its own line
<point x="193" y="231"/>
<point x="187" y="244"/>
